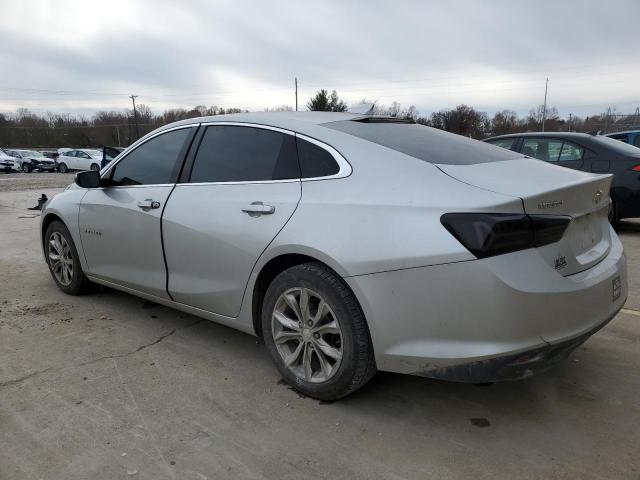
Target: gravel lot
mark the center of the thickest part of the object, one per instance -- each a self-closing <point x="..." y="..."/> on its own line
<point x="108" y="386"/>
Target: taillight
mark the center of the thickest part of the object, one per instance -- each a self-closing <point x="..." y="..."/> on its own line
<point x="489" y="234"/>
<point x="636" y="168"/>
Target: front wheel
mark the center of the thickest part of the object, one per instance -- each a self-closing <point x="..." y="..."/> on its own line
<point x="95" y="167"/>
<point x="62" y="168"/>
<point x="316" y="333"/>
<point x="26" y="167"/>
<point x="63" y="261"/>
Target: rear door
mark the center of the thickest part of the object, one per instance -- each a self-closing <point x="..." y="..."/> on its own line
<point x="243" y="186"/>
<point x="120" y="224"/>
<point x="69" y="159"/>
<point x="83" y="160"/>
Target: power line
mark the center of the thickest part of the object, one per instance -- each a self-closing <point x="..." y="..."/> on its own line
<point x="445" y="78"/>
<point x="135" y="114"/>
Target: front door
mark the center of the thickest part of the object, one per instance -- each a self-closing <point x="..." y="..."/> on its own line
<point x="120" y="223"/>
<point x="244" y="187"/>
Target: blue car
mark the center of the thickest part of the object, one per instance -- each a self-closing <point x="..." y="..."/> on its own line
<point x="632" y="137"/>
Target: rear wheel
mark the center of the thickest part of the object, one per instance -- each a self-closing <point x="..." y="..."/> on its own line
<point x="95" y="167"/>
<point x="63" y="261"/>
<point x="26" y="167"/>
<point x="62" y="168"/>
<point x="613" y="212"/>
<point x="316" y="332"/>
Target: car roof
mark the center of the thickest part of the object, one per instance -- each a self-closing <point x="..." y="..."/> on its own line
<point x="544" y="134"/>
<point x="285" y="120"/>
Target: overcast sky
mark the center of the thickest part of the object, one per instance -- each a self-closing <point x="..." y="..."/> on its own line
<point x="72" y="56"/>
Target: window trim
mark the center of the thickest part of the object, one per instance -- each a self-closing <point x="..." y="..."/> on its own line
<point x="344" y="167"/>
<point x="108" y="169"/>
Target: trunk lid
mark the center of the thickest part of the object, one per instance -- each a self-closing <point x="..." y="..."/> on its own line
<point x="547" y="189"/>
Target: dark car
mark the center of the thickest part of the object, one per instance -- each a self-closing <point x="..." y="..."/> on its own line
<point x="590" y="153"/>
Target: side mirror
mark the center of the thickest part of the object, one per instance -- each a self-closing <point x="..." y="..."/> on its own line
<point x="89" y="179"/>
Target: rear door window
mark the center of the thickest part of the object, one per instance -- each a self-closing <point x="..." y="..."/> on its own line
<point x="570" y="152"/>
<point x="229" y="153"/>
<point x="546" y="149"/>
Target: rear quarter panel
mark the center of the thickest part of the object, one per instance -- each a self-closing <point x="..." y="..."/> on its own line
<point x="384" y="216"/>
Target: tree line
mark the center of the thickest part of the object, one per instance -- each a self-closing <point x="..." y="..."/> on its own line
<point x="121" y="128"/>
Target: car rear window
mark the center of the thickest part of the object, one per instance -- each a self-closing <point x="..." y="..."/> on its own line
<point x="428" y="144"/>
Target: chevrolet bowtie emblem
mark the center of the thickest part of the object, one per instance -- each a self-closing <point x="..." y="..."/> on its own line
<point x="598" y="196"/>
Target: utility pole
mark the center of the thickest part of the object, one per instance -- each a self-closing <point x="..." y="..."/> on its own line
<point x="296" y="81"/>
<point x="544" y="108"/>
<point x="135" y="114"/>
<point x="571" y="122"/>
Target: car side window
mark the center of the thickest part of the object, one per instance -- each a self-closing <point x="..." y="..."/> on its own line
<point x="571" y="151"/>
<point x="70" y="153"/>
<point x="82" y="155"/>
<point x="507" y="143"/>
<point x="636" y="141"/>
<point x="542" y="148"/>
<point x="152" y="163"/>
<point x="315" y="161"/>
<point x="229" y="153"/>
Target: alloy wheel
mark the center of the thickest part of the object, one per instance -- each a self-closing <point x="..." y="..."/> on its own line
<point x="61" y="258"/>
<point x="307" y="335"/>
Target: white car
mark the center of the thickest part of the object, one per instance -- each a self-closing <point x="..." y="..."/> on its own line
<point x="29" y="160"/>
<point x="79" y="159"/>
<point x="7" y="162"/>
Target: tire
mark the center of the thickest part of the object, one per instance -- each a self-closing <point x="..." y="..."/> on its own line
<point x="95" y="167"/>
<point x="613" y="213"/>
<point x="350" y="339"/>
<point x="71" y="283"/>
<point x="62" y="168"/>
<point x="26" y="167"/>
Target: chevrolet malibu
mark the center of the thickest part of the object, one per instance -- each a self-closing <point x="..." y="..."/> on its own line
<point x="351" y="244"/>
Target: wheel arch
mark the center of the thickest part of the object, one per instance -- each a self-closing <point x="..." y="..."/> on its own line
<point x="270" y="270"/>
<point x="48" y="219"/>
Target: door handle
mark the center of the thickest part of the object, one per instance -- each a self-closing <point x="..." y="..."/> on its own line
<point x="148" y="204"/>
<point x="255" y="209"/>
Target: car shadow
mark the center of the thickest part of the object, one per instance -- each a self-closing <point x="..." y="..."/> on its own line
<point x="628" y="226"/>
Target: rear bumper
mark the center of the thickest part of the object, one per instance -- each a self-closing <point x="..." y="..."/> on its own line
<point x="499" y="318"/>
<point x="513" y="366"/>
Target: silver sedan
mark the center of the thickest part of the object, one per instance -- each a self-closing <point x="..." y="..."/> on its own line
<point x="351" y="244"/>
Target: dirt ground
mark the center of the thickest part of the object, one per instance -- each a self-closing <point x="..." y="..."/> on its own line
<point x="107" y="386"/>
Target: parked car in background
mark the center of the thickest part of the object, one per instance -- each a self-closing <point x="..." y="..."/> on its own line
<point x="589" y="153"/>
<point x="7" y="162"/>
<point x="29" y="160"/>
<point x="49" y="153"/>
<point x="79" y="159"/>
<point x="632" y="137"/>
<point x="350" y="244"/>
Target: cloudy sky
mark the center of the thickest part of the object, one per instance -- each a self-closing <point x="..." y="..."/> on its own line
<point x="82" y="56"/>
